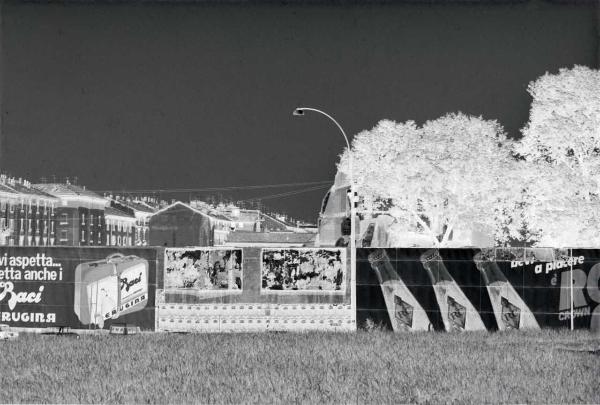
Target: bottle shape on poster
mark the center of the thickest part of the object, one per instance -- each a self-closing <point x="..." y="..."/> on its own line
<point x="510" y="310"/>
<point x="458" y="313"/>
<point x="109" y="288"/>
<point x="405" y="312"/>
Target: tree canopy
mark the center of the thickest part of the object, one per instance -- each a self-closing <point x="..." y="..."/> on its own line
<point x="561" y="145"/>
<point x="446" y="174"/>
<point x="461" y="172"/>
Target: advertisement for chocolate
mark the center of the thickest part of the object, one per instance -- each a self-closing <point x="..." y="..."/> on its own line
<point x="472" y="289"/>
<point x="81" y="288"/>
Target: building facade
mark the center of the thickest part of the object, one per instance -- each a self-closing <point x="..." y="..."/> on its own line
<point x="120" y="229"/>
<point x="79" y="214"/>
<point x="141" y="210"/>
<point x="27" y="215"/>
<point x="179" y="224"/>
<point x="335" y="211"/>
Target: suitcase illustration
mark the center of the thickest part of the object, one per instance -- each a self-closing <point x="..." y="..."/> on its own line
<point x="458" y="313"/>
<point x="106" y="289"/>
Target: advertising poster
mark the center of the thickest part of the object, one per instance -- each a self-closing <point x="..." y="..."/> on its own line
<point x="203" y="271"/>
<point x="254" y="289"/>
<point x="472" y="289"/>
<point x="303" y="270"/>
<point x="80" y="288"/>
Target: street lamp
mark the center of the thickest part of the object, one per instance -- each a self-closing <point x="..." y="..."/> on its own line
<point x="300" y="111"/>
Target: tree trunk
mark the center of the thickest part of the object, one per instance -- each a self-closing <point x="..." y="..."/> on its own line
<point x="447" y="233"/>
<point x="431" y="234"/>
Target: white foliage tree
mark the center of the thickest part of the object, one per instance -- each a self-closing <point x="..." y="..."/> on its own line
<point x="553" y="211"/>
<point x="447" y="175"/>
<point x="564" y="121"/>
<point x="561" y="143"/>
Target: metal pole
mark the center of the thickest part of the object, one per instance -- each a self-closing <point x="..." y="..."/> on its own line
<point x="352" y="212"/>
<point x="571" y="286"/>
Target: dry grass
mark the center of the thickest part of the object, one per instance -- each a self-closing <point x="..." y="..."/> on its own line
<point x="365" y="367"/>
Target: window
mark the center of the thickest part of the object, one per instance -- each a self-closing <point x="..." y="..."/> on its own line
<point x="82" y="219"/>
<point x="107" y="239"/>
<point x="64" y="219"/>
<point x="83" y="235"/>
<point x="63" y="236"/>
<point x="118" y="240"/>
<point x="91" y="220"/>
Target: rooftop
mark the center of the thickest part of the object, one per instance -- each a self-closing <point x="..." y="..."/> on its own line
<point x="271" y="237"/>
<point x="211" y="214"/>
<point x="137" y="206"/>
<point x="66" y="190"/>
<point x="116" y="212"/>
<point x="20" y="186"/>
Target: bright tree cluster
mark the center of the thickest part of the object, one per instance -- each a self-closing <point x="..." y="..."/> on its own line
<point x="461" y="172"/>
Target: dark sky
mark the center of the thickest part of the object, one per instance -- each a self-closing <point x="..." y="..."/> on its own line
<point x="156" y="96"/>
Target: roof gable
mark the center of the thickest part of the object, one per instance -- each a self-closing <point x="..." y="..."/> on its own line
<point x="194" y="210"/>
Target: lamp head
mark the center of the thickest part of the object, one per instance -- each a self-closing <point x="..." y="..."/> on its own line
<point x="298" y="112"/>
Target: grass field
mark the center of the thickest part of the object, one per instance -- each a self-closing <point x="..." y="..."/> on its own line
<point x="364" y="367"/>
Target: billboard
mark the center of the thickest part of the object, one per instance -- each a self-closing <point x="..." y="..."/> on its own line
<point x="81" y="288"/>
<point x="203" y="271"/>
<point x="473" y="289"/>
<point x="303" y="270"/>
<point x="253" y="289"/>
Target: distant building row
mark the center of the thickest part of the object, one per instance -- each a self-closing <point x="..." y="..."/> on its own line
<point x="70" y="215"/>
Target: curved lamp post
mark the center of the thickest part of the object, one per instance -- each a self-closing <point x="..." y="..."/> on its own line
<point x="300" y="111"/>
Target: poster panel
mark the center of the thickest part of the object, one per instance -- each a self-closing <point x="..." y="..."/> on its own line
<point x="80" y="288"/>
<point x="303" y="270"/>
<point x="472" y="289"/>
<point x="203" y="271"/>
<point x="261" y="289"/>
